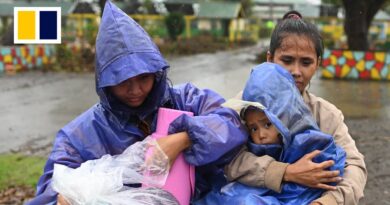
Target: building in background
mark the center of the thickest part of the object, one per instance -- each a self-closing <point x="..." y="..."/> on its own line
<point x="274" y="9"/>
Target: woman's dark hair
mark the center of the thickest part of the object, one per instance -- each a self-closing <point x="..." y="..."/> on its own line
<point x="292" y="23"/>
<point x="292" y="14"/>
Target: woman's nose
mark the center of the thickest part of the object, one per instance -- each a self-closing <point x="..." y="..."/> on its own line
<point x="295" y="71"/>
<point x="133" y="87"/>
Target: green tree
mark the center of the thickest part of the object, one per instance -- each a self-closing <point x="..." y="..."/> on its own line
<point x="358" y="18"/>
<point x="247" y="7"/>
<point x="175" y="25"/>
<point x="149" y="7"/>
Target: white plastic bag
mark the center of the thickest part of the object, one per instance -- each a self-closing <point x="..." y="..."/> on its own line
<point x="101" y="181"/>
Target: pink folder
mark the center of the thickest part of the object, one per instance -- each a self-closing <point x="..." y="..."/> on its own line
<point x="181" y="179"/>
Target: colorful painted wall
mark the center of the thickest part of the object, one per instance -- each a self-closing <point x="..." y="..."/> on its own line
<point x="346" y="64"/>
<point x="18" y="58"/>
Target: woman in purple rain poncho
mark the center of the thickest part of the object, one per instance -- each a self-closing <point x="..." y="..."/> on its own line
<point x="131" y="81"/>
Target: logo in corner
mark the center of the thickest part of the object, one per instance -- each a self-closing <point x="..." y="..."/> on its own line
<point x="37" y="25"/>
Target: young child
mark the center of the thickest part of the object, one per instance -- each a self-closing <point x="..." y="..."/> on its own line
<point x="261" y="130"/>
<point x="280" y="126"/>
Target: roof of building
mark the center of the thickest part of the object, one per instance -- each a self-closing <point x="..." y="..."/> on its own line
<point x="381" y="15"/>
<point x="308" y="10"/>
<point x="83" y="7"/>
<point x="220" y="10"/>
<point x="277" y="9"/>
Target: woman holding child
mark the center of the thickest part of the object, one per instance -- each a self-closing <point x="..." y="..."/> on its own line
<point x="297" y="46"/>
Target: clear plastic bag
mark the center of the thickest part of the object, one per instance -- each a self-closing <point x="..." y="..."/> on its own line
<point x="101" y="181"/>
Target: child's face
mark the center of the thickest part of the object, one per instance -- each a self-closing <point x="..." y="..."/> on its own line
<point x="134" y="91"/>
<point x="262" y="131"/>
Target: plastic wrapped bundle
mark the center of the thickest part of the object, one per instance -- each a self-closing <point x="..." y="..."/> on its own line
<point x="101" y="181"/>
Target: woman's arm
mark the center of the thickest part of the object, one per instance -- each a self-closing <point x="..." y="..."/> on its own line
<point x="174" y="144"/>
<point x="213" y="131"/>
<point x="306" y="172"/>
<point x="61" y="200"/>
<point x="252" y="170"/>
<point x="331" y="121"/>
<point x="264" y="171"/>
<point x="63" y="153"/>
<point x="350" y="189"/>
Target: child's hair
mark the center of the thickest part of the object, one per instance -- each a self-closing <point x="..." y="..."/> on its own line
<point x="292" y="23"/>
<point x="244" y="110"/>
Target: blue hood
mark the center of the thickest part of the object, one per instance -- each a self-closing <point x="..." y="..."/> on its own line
<point x="125" y="50"/>
<point x="289" y="113"/>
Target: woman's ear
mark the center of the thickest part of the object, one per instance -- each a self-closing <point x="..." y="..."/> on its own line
<point x="269" y="57"/>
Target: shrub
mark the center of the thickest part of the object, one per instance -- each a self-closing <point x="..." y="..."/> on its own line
<point x="175" y="24"/>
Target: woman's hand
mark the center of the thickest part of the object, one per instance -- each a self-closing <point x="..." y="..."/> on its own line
<point x="307" y="173"/>
<point x="174" y="144"/>
<point x="61" y="200"/>
<point x="315" y="203"/>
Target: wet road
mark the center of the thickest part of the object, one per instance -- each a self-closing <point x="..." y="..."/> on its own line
<point x="34" y="105"/>
<point x="357" y="99"/>
<point x="226" y="73"/>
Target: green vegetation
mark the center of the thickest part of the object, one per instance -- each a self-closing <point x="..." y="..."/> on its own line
<point x="16" y="170"/>
<point x="175" y="24"/>
<point x="74" y="59"/>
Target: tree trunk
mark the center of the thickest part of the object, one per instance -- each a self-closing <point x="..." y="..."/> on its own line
<point x="225" y="27"/>
<point x="358" y="17"/>
<point x="7" y="39"/>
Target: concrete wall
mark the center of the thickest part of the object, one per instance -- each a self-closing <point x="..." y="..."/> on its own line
<point x="18" y="58"/>
<point x="344" y="64"/>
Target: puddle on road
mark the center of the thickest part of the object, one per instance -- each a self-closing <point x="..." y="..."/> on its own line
<point x="357" y="99"/>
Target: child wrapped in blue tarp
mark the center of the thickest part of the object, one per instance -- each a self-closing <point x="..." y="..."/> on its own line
<point x="280" y="126"/>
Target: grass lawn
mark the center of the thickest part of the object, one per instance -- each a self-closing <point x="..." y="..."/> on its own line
<point x="17" y="170"/>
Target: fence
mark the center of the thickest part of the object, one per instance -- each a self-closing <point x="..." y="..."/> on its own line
<point x="79" y="30"/>
<point x="85" y="26"/>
